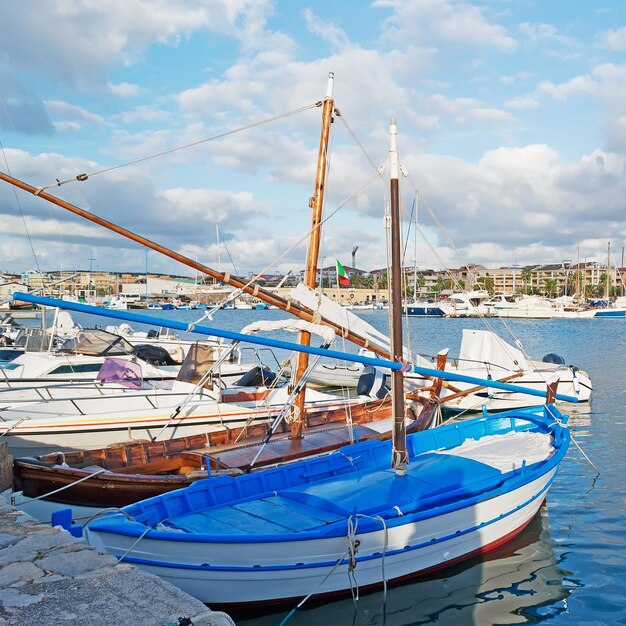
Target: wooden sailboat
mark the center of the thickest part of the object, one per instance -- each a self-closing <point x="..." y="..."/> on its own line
<point x="123" y="475"/>
<point x="349" y="520"/>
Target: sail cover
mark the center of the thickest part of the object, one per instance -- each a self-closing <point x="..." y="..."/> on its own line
<point x="338" y="314"/>
<point x="292" y="325"/>
<point x="334" y="312"/>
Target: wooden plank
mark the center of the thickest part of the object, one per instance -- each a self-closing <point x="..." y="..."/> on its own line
<point x="153" y="467"/>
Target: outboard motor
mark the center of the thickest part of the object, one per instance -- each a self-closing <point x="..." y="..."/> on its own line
<point x="155" y="355"/>
<point x="554" y="358"/>
<point x="372" y="383"/>
<point x="258" y="376"/>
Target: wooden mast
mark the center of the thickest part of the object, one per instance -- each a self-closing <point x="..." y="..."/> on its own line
<point x="310" y="276"/>
<point x="267" y="296"/>
<point x="400" y="456"/>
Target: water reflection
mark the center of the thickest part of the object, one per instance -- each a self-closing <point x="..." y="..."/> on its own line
<point x="519" y="583"/>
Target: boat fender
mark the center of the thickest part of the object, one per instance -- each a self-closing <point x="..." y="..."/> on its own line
<point x="372" y="383"/>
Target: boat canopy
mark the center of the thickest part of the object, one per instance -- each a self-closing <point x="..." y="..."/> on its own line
<point x="97" y="342"/>
<point x="338" y="314"/>
<point x="343" y="317"/>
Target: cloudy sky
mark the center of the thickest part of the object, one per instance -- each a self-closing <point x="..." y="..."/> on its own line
<point x="510" y="115"/>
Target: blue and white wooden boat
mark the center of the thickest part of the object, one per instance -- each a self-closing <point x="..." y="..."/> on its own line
<point x="324" y="526"/>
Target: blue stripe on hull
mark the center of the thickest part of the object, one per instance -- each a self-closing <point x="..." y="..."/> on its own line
<point x="609" y="313"/>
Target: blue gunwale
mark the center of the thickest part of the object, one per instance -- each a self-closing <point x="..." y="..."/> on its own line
<point x="299" y="482"/>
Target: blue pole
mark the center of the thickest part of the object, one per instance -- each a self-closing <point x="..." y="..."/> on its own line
<point x="284" y="345"/>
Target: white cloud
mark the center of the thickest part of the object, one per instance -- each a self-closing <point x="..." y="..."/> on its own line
<point x="330" y="33"/>
<point x="614" y="39"/>
<point x="579" y="85"/>
<point x="484" y="114"/>
<point x="124" y="90"/>
<point x="58" y="108"/>
<point x="141" y="114"/>
<point x="523" y="102"/>
<point x="78" y="42"/>
<point x="437" y="22"/>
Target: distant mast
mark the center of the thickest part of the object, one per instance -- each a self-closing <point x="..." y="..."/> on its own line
<point x="310" y="277"/>
<point x="608" y="272"/>
<point x="400" y="456"/>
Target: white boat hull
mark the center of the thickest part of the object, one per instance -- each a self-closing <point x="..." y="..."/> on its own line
<point x="410" y="549"/>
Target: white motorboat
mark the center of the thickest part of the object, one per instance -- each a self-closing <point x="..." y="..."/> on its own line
<point x="469" y="303"/>
<point x="522" y="307"/>
<point x="79" y="361"/>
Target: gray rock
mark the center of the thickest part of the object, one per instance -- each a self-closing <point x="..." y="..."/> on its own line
<point x="35" y="546"/>
<point x="75" y="562"/>
<point x="15" y="572"/>
<point x="8" y="539"/>
<point x="96" y="590"/>
<point x="128" y="596"/>
<point x="14" y="599"/>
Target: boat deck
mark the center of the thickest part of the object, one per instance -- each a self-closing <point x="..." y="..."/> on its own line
<point x="318" y="440"/>
<point x="431" y="476"/>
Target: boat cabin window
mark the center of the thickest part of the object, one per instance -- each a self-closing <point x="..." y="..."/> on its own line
<point x="10" y="366"/>
<point x="79" y="368"/>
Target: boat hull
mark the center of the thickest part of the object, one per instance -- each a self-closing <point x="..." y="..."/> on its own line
<point x="413" y="549"/>
<point x="75" y="431"/>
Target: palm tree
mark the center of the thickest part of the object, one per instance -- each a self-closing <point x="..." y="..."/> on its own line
<point x="440" y="285"/>
<point x="527" y="276"/>
<point x="551" y="286"/>
<point x="382" y="280"/>
<point x="486" y="283"/>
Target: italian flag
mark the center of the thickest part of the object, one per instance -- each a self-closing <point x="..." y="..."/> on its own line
<point x="341" y="275"/>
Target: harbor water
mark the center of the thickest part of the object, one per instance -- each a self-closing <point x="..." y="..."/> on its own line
<point x="568" y="566"/>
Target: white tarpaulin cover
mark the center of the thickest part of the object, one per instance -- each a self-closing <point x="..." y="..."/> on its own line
<point x="483" y="346"/>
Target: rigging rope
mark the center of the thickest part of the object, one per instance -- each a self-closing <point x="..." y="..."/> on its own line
<point x="19" y="206"/>
<point x="484" y="320"/>
<point x="84" y="177"/>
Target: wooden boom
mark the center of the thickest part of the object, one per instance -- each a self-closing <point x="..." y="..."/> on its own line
<point x="267" y="296"/>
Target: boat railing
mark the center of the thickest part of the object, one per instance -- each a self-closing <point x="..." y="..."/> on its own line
<point x="254" y="356"/>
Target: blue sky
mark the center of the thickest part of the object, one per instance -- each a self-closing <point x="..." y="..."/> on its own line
<point x="510" y="116"/>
